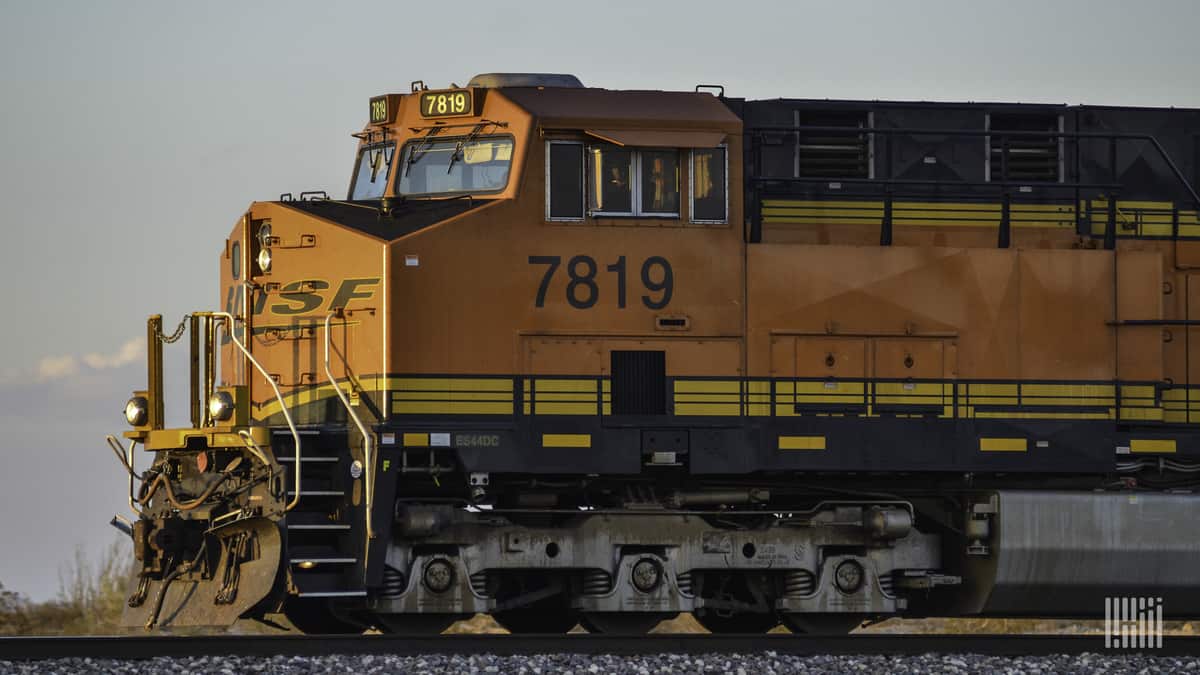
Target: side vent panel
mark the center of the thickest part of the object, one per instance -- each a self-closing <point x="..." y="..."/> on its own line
<point x="639" y="382"/>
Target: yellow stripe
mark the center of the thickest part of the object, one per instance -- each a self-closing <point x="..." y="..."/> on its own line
<point x="576" y="396"/>
<point x="758" y="387"/>
<point x="1078" y="390"/>
<point x="1044" y="415"/>
<point x="1139" y="218"/>
<point x="451" y="408"/>
<point x="1003" y="444"/>
<point x="451" y="396"/>
<point x="913" y="388"/>
<point x="801" y="442"/>
<point x="829" y="397"/>
<point x="992" y="390"/>
<point x="722" y="409"/>
<point x="829" y="387"/>
<point x="708" y="386"/>
<point x="1158" y="445"/>
<point x="566" y="440"/>
<point x="578" y="386"/>
<point x="416" y="440"/>
<point x="1147" y="413"/>
<point x="556" y="408"/>
<point x="709" y="398"/>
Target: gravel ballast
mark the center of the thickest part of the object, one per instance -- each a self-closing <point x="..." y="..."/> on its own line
<point x="768" y="663"/>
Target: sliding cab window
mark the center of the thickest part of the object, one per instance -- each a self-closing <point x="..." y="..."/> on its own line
<point x="659" y="182"/>
<point x="710" y="186"/>
<point x="564" y="181"/>
<point x="374" y="168"/>
<point x="624" y="182"/>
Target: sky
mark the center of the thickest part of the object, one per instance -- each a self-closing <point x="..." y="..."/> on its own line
<point x="134" y="134"/>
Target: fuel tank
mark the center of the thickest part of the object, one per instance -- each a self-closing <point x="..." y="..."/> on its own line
<point x="1063" y="553"/>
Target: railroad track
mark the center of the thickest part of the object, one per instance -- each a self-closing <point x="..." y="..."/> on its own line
<point x="144" y="647"/>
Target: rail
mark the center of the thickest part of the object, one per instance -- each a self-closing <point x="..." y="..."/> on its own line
<point x="287" y="415"/>
<point x="368" y="444"/>
<point x="145" y="647"/>
<point x="759" y="185"/>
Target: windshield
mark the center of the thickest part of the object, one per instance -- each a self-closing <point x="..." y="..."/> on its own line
<point x="450" y="166"/>
<point x="374" y="167"/>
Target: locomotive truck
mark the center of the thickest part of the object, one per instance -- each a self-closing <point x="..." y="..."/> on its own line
<point x="575" y="355"/>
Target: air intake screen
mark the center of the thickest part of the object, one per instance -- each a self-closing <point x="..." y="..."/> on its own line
<point x="832" y="154"/>
<point x="639" y="383"/>
<point x="1015" y="157"/>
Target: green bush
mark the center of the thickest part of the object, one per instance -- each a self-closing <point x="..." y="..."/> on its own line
<point x="90" y="599"/>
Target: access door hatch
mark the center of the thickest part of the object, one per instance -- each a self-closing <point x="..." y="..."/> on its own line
<point x="909" y="377"/>
<point x="831" y="375"/>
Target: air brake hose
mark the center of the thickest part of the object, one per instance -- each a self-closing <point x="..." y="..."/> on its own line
<point x="162" y="592"/>
<point x="162" y="480"/>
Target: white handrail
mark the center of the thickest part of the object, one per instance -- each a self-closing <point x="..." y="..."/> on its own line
<point x="253" y="447"/>
<point x="368" y="445"/>
<point x="127" y="461"/>
<point x="287" y="416"/>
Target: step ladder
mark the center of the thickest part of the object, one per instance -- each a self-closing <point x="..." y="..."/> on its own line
<point x="323" y="550"/>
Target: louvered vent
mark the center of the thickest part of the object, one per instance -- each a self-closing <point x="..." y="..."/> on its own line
<point x="639" y="383"/>
<point x="830" y="153"/>
<point x="1023" y="158"/>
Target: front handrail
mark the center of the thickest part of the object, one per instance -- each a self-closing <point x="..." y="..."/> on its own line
<point x="368" y="445"/>
<point x="253" y="447"/>
<point x="126" y="459"/>
<point x="287" y="416"/>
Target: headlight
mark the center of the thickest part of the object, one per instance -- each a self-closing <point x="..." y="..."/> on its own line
<point x="137" y="410"/>
<point x="264" y="235"/>
<point x="264" y="260"/>
<point x="220" y="406"/>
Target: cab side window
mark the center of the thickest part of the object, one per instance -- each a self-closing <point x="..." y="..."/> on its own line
<point x="660" y="182"/>
<point x="626" y="182"/>
<point x="564" y="181"/>
<point x="609" y="180"/>
<point x="610" y="172"/>
<point x="710" y="187"/>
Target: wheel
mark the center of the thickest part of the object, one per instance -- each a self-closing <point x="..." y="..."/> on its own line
<point x="316" y="617"/>
<point x="735" y="622"/>
<point x="820" y="623"/>
<point x="622" y="623"/>
<point x="536" y="619"/>
<point x="418" y="624"/>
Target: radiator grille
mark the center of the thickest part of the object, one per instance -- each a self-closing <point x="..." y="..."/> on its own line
<point x="639" y="383"/>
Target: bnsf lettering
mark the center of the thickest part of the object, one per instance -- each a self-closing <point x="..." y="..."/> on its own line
<point x="298" y="301"/>
<point x="477" y="441"/>
<point x="350" y="291"/>
<point x="304" y="297"/>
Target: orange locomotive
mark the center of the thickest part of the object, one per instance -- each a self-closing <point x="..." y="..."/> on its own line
<point x="578" y="355"/>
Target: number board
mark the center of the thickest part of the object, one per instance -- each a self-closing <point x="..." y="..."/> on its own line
<point x="381" y="109"/>
<point x="454" y="103"/>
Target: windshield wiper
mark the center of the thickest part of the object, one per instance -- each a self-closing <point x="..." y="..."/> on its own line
<point x="422" y="147"/>
<point x="463" y="143"/>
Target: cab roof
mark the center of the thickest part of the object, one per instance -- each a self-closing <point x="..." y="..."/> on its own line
<point x="583" y="108"/>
